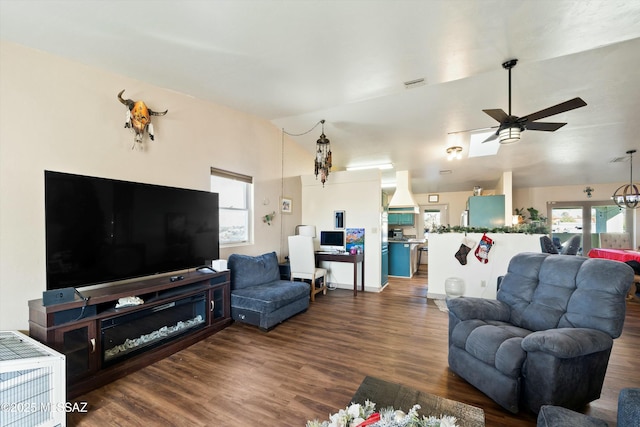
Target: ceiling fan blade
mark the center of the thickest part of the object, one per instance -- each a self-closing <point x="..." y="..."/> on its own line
<point x="499" y="115"/>
<point x="491" y="137"/>
<point x="545" y="126"/>
<point x="556" y="109"/>
<point x="473" y="130"/>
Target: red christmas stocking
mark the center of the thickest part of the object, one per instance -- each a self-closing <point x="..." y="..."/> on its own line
<point x="482" y="251"/>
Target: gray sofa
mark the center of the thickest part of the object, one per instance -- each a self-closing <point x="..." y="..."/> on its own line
<point x="258" y="296"/>
<point x="547" y="338"/>
<point x="628" y="413"/>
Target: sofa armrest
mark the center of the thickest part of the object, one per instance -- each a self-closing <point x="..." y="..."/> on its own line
<point x="567" y="343"/>
<point x="556" y="416"/>
<point x="466" y="308"/>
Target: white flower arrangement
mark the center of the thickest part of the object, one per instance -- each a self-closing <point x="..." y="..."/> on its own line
<point x="357" y="415"/>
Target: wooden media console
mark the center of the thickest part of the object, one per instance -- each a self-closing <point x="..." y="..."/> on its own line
<point x="102" y="343"/>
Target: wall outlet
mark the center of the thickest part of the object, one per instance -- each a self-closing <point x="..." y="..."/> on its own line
<point x="483" y="283"/>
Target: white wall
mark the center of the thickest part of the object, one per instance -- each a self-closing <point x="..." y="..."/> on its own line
<point x="61" y="115"/>
<point x="359" y="194"/>
<point x="443" y="263"/>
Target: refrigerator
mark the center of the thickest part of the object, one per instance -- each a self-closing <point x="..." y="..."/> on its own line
<point x="486" y="211"/>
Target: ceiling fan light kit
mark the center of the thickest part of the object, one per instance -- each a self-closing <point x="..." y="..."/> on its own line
<point x="509" y="135"/>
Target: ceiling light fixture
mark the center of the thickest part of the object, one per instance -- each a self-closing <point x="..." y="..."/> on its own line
<point x="382" y="166"/>
<point x="323" y="156"/>
<point x="509" y="135"/>
<point x="323" y="152"/>
<point x="454" y="152"/>
<point x="628" y="195"/>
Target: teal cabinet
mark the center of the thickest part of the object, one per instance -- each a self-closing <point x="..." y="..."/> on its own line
<point x="400" y="259"/>
<point x="401" y="218"/>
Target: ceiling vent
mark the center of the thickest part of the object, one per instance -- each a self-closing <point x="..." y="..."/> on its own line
<point x="414" y="83"/>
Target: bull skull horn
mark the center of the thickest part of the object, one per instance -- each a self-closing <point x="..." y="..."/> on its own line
<point x="153" y="113"/>
<point x="127" y="102"/>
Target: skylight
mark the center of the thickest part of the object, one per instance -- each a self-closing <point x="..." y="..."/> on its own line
<point x="478" y="149"/>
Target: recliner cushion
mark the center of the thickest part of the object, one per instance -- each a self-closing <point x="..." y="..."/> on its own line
<point x="495" y="343"/>
<point x="247" y="271"/>
<point x="269" y="297"/>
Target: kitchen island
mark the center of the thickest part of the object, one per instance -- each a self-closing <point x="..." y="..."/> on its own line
<point x="403" y="257"/>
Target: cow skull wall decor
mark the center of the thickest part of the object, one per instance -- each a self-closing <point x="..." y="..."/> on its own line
<point x="139" y="118"/>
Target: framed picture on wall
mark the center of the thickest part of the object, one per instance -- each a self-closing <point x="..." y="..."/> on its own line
<point x="338" y="220"/>
<point x="286" y="205"/>
<point x="433" y="198"/>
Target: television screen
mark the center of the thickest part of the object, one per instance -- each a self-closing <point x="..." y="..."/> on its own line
<point x="332" y="238"/>
<point x="103" y="230"/>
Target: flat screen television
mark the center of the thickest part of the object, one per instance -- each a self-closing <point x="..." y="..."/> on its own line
<point x="103" y="230"/>
<point x="332" y="240"/>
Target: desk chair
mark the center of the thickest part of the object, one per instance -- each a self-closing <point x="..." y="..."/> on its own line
<point x="303" y="264"/>
<point x="547" y="246"/>
<point x="571" y="246"/>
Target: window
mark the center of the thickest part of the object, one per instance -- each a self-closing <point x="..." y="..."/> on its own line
<point x="236" y="205"/>
<point x="588" y="219"/>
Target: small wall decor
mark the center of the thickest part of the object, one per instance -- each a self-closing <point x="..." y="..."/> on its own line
<point x="588" y="190"/>
<point x="139" y="118"/>
<point x="434" y="198"/>
<point x="338" y="220"/>
<point x="286" y="205"/>
<point x="269" y="217"/>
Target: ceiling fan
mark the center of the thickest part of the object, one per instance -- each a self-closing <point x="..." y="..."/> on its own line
<point x="511" y="126"/>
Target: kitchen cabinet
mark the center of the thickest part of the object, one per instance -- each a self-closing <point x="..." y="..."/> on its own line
<point x="403" y="257"/>
<point x="401" y="218"/>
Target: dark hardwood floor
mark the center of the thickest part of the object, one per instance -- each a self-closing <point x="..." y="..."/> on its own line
<point x="311" y="365"/>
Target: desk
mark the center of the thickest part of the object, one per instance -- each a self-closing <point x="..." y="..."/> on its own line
<point x="354" y="259"/>
<point x="622" y="255"/>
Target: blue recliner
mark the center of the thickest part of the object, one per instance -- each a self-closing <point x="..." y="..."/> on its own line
<point x="547" y="338"/>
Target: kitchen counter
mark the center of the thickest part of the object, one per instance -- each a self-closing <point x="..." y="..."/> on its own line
<point x="403" y="256"/>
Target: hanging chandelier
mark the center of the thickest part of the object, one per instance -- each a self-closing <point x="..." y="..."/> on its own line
<point x="323" y="157"/>
<point x="628" y="195"/>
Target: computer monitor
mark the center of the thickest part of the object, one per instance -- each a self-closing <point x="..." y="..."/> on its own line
<point x="332" y="240"/>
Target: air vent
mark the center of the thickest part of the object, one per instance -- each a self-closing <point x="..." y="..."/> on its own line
<point x="445" y="171"/>
<point x="414" y="83"/>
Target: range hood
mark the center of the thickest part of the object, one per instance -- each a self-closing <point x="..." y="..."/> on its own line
<point x="403" y="198"/>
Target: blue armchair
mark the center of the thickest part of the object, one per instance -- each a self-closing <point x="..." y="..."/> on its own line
<point x="547" y="338"/>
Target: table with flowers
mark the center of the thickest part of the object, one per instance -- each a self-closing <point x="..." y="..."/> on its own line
<point x="379" y="403"/>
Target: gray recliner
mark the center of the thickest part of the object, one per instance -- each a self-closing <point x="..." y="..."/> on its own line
<point x="547" y="338"/>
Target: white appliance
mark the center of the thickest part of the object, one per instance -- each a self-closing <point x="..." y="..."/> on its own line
<point x="32" y="378"/>
<point x="464" y="219"/>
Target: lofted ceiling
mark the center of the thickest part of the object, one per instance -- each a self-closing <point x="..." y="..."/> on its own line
<point x="297" y="62"/>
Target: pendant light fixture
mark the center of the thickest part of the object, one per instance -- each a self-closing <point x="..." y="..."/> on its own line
<point x="323" y="157"/>
<point x="323" y="152"/>
<point x="628" y="195"/>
